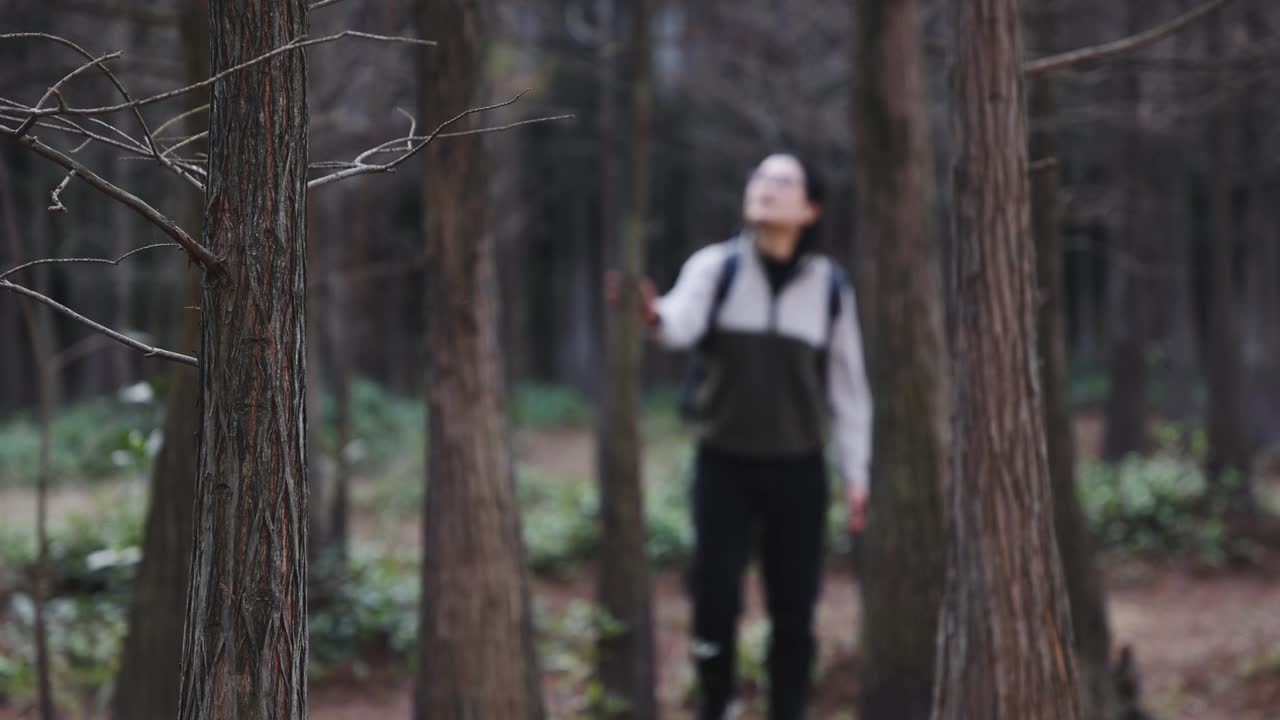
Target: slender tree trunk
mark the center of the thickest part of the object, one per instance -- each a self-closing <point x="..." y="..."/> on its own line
<point x="626" y="661"/>
<point x="1230" y="453"/>
<point x="1005" y="634"/>
<point x="148" y="682"/>
<point x="1076" y="544"/>
<point x="903" y="564"/>
<point x="43" y="361"/>
<point x="475" y="631"/>
<point x="245" y="638"/>
<point x="1127" y="291"/>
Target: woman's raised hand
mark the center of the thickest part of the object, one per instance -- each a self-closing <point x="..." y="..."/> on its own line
<point x="648" y="296"/>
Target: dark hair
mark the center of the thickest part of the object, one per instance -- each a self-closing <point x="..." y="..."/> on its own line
<point x="815" y="191"/>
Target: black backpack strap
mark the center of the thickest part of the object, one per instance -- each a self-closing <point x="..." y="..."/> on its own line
<point x="696" y="370"/>
<point x="838" y="281"/>
<point x="728" y="269"/>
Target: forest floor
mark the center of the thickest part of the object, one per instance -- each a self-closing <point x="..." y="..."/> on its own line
<point x="1207" y="643"/>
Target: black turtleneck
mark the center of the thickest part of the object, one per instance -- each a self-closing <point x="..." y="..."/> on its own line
<point x="779" y="271"/>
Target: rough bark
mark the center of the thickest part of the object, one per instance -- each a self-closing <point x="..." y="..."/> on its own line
<point x="1004" y="639"/>
<point x="626" y="652"/>
<point x="475" y="631"/>
<point x="245" y="638"/>
<point x="900" y="294"/>
<point x="1076" y="545"/>
<point x="147" y="683"/>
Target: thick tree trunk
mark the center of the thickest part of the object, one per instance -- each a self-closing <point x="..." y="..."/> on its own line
<point x="475" y="631"/>
<point x="147" y="684"/>
<point x="1004" y="639"/>
<point x="245" y="639"/>
<point x="626" y="656"/>
<point x="903" y="563"/>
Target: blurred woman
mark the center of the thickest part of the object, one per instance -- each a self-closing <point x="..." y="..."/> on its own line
<point x="774" y="327"/>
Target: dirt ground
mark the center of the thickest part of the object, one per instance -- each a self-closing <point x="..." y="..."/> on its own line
<point x="1207" y="644"/>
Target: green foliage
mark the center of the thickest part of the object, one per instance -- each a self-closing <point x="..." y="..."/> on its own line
<point x="103" y="437"/>
<point x="567" y="646"/>
<point x="373" y="614"/>
<point x="538" y="406"/>
<point x="384" y="428"/>
<point x="86" y="634"/>
<point x="1161" y="505"/>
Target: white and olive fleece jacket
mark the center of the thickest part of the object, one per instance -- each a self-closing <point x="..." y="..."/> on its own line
<point x="764" y="392"/>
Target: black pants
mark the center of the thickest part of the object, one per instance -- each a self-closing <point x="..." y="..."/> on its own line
<point x="781" y="505"/>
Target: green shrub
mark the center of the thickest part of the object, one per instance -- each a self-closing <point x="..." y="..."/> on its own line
<point x="374" y="613"/>
<point x="539" y="406"/>
<point x="94" y="439"/>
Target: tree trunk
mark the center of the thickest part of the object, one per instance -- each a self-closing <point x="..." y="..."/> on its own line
<point x="475" y="631"/>
<point x="1128" y="283"/>
<point x="147" y="684"/>
<point x="1076" y="545"/>
<point x="245" y="639"/>
<point x="1230" y="453"/>
<point x="1005" y="634"/>
<point x="903" y="563"/>
<point x="148" y="680"/>
<point x="626" y="654"/>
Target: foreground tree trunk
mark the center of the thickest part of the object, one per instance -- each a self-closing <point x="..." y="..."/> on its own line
<point x="245" y="641"/>
<point x="475" y="630"/>
<point x="626" y="653"/>
<point x="900" y="291"/>
<point x="148" y="681"/>
<point x="1004" y="640"/>
<point x="1076" y="545"/>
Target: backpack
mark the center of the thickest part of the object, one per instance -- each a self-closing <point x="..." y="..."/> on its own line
<point x="696" y="370"/>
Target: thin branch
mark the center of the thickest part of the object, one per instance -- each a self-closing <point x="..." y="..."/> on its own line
<point x="145" y="349"/>
<point x="67" y="126"/>
<point x="199" y="253"/>
<point x="320" y="4"/>
<point x="54" y="90"/>
<point x="99" y="261"/>
<point x="1109" y="50"/>
<point x="181" y="116"/>
<point x="292" y="45"/>
<point x="362" y="168"/>
<point x="56" y="195"/>
<point x="391" y="146"/>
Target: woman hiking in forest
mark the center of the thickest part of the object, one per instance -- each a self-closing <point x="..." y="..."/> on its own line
<point x="779" y="354"/>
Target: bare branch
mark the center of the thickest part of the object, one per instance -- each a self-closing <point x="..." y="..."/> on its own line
<point x="360" y="167"/>
<point x="198" y="253"/>
<point x="56" y="195"/>
<point x="135" y="104"/>
<point x="392" y="146"/>
<point x="1109" y="50"/>
<point x="181" y="116"/>
<point x="99" y="261"/>
<point x="320" y="4"/>
<point x="145" y="349"/>
<point x="22" y="130"/>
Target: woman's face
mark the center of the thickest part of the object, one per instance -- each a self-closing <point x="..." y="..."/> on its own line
<point x="776" y="194"/>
